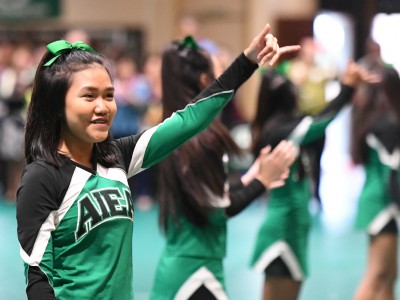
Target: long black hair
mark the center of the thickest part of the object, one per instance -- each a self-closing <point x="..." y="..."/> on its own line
<point x="391" y="87"/>
<point x="371" y="103"/>
<point x="187" y="176"/>
<point x="276" y="104"/>
<point x="46" y="112"/>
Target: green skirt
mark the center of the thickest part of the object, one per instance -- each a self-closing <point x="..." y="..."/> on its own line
<point x="284" y="234"/>
<point x="177" y="278"/>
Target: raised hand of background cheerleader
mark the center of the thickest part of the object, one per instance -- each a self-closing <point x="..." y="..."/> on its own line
<point x="265" y="48"/>
<point x="355" y="74"/>
<point x="272" y="168"/>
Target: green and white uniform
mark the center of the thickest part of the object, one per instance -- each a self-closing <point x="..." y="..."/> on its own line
<point x="284" y="232"/>
<point x="193" y="255"/>
<point x="377" y="205"/>
<point x="75" y="224"/>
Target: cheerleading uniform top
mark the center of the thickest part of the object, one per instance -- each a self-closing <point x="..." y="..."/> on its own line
<point x="75" y="224"/>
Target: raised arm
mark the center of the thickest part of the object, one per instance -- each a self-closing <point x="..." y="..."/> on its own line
<point x="268" y="171"/>
<point x="312" y="128"/>
<point x="158" y="142"/>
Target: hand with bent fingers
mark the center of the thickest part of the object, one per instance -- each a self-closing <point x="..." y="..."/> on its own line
<point x="355" y="74"/>
<point x="264" y="48"/>
<point x="272" y="168"/>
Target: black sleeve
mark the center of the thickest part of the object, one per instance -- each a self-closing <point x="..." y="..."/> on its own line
<point x="37" y="198"/>
<point x="124" y="148"/>
<point x="272" y="135"/>
<point x="338" y="103"/>
<point x="241" y="196"/>
<point x="38" y="287"/>
<point x="276" y="135"/>
<point x="153" y="145"/>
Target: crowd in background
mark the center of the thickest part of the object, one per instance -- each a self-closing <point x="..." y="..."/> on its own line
<point x="18" y="62"/>
<point x="138" y="94"/>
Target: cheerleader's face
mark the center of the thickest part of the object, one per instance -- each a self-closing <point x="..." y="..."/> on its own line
<point x="89" y="107"/>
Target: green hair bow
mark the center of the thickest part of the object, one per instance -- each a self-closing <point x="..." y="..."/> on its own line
<point x="190" y="42"/>
<point x="59" y="47"/>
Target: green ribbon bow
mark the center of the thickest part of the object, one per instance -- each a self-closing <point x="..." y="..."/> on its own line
<point x="59" y="47"/>
<point x="190" y="42"/>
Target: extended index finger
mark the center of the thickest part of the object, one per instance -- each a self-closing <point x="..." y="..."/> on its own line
<point x="288" y="49"/>
<point x="283" y="50"/>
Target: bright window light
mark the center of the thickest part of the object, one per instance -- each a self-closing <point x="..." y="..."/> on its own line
<point x="329" y="30"/>
<point x="334" y="32"/>
<point x="384" y="31"/>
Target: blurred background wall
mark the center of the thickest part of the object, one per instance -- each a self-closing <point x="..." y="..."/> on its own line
<point x="146" y="25"/>
<point x="141" y="27"/>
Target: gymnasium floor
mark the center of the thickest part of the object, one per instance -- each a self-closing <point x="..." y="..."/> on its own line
<point x="336" y="257"/>
<point x="337" y="253"/>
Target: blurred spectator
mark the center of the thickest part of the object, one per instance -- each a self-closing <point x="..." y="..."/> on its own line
<point x="145" y="181"/>
<point x="152" y="73"/>
<point x="75" y="35"/>
<point x="190" y="25"/>
<point x="221" y="57"/>
<point x="15" y="81"/>
<point x="6" y="49"/>
<point x="132" y="94"/>
<point x="310" y="79"/>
